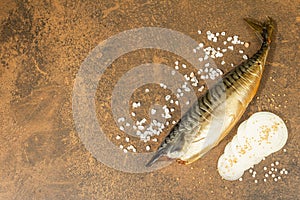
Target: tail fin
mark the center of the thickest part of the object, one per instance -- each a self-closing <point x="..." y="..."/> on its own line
<point x="263" y="30"/>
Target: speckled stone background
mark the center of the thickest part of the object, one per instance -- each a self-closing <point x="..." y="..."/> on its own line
<point x="43" y="44"/>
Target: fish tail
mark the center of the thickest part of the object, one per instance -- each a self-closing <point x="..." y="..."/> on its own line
<point x="161" y="152"/>
<point x="263" y="29"/>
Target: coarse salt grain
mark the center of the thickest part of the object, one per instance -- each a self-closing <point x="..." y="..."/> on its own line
<point x="147" y="148"/>
<point x="146" y="90"/>
<point x="230" y="47"/>
<point x="224" y="50"/>
<point x="265" y="168"/>
<point x="121" y="119"/>
<point x="118" y="137"/>
<point x="168" y="97"/>
<point x="136" y="104"/>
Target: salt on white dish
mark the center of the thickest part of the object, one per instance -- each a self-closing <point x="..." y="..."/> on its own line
<point x="261" y="135"/>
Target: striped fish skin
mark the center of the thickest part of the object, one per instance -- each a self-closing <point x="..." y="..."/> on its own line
<point x="215" y="113"/>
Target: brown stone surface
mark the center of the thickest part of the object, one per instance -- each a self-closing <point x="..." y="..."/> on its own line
<point x="43" y="44"/>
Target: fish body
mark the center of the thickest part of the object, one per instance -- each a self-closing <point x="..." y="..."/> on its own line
<point x="215" y="113"/>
